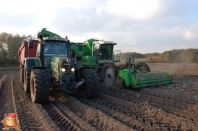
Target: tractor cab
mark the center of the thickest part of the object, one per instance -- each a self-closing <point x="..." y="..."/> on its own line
<point x="52" y="48"/>
<point x="103" y="50"/>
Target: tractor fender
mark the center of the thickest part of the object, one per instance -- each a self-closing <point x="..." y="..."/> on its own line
<point x="127" y="77"/>
<point x="32" y="63"/>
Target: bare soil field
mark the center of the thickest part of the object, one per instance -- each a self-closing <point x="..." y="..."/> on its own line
<point x="172" y="107"/>
<point x="176" y="68"/>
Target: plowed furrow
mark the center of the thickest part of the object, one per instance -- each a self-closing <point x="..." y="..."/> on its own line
<point x="173" y="95"/>
<point x="95" y="117"/>
<point x="61" y="120"/>
<point x="177" y="104"/>
<point x="148" y="117"/>
<point x="75" y="118"/>
<point x="169" y="106"/>
<point x="123" y="114"/>
<point x="6" y="102"/>
<point x="31" y="116"/>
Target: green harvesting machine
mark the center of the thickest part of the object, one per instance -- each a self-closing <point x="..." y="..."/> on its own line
<point x="100" y="55"/>
<point x="139" y="75"/>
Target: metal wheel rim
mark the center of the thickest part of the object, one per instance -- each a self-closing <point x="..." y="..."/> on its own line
<point x="109" y="76"/>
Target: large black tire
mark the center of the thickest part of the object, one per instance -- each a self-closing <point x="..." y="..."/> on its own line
<point x="22" y="75"/>
<point x="89" y="89"/>
<point x="109" y="74"/>
<point x="26" y="83"/>
<point x="143" y="67"/>
<point x="39" y="86"/>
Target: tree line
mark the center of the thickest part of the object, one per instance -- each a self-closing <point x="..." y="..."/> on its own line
<point x="10" y="44"/>
<point x="172" y="56"/>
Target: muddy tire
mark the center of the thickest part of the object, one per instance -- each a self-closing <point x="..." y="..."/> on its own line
<point x="21" y="75"/>
<point x="26" y="81"/>
<point x="89" y="89"/>
<point x="143" y="67"/>
<point x="39" y="86"/>
<point x="109" y="74"/>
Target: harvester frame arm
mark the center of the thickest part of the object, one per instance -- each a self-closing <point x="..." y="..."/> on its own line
<point x="87" y="48"/>
<point x="46" y="33"/>
<point x="79" y="52"/>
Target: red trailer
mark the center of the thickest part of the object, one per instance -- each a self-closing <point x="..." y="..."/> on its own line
<point x="25" y="52"/>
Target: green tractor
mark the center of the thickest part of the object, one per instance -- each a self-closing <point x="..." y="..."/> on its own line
<point x="139" y="75"/>
<point x="100" y="55"/>
<point x="54" y="65"/>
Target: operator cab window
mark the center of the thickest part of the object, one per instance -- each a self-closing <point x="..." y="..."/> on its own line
<point x="96" y="49"/>
<point x="106" y="52"/>
<point x="55" y="48"/>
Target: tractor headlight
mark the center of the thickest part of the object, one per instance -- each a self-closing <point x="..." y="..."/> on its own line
<point x="72" y="69"/>
<point x="63" y="69"/>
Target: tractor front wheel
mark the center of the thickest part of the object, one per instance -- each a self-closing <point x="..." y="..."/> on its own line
<point x="109" y="73"/>
<point x="89" y="89"/>
<point x="143" y="67"/>
<point x="39" y="86"/>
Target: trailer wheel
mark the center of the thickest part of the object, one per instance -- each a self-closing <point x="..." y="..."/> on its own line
<point x="22" y="75"/>
<point x="26" y="83"/>
<point x="89" y="89"/>
<point x="39" y="86"/>
<point x="143" y="67"/>
<point x="109" y="74"/>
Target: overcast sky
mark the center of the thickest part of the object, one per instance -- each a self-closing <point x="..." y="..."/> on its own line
<point x="143" y="26"/>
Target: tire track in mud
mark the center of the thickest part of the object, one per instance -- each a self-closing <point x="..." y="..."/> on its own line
<point x="75" y="118"/>
<point x="31" y="116"/>
<point x="183" y="106"/>
<point x="95" y="117"/>
<point x="61" y="120"/>
<point x="140" y="116"/>
<point x="6" y="102"/>
<point x="127" y="115"/>
<point x="177" y="109"/>
<point x="92" y="118"/>
<point x="116" y="109"/>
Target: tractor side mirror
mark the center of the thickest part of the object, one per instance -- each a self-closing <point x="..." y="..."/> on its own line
<point x="30" y="44"/>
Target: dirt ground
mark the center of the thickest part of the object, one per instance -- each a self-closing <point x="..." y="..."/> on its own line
<point x="172" y="107"/>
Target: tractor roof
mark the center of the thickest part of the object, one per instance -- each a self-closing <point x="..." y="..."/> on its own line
<point x="104" y="42"/>
<point x="55" y="38"/>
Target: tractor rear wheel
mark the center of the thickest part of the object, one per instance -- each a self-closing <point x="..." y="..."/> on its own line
<point x="21" y="75"/>
<point x="143" y="67"/>
<point x="109" y="74"/>
<point x="39" y="86"/>
<point x="26" y="83"/>
<point x="89" y="89"/>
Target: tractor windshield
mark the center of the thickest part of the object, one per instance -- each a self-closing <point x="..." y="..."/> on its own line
<point x="55" y="47"/>
<point x="106" y="52"/>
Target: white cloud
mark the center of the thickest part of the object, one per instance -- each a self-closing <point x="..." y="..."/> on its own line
<point x="40" y="7"/>
<point x="188" y="35"/>
<point x="138" y="9"/>
<point x="136" y="25"/>
<point x="98" y="10"/>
